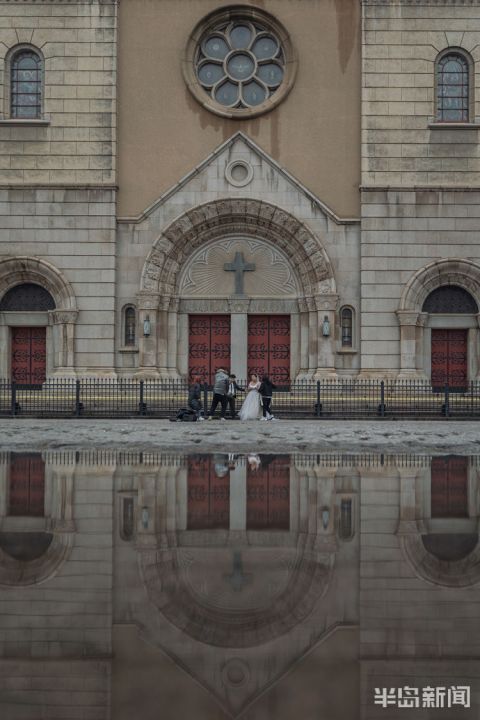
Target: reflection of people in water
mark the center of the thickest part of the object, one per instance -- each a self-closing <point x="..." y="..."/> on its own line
<point x="221" y="465"/>
<point x="253" y="461"/>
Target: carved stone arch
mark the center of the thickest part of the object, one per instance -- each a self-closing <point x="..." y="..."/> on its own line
<point x="449" y="271"/>
<point x="240" y="216"/>
<point x="15" y="573"/>
<point x="19" y="270"/>
<point x="459" y="573"/>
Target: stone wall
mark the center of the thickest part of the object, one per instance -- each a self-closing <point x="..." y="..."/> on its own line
<point x="419" y="178"/>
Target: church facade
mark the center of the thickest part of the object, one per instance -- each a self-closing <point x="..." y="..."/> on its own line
<point x="279" y="187"/>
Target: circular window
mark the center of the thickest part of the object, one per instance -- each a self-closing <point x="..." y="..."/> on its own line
<point x="239" y="62"/>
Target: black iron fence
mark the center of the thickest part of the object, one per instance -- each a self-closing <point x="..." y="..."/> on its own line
<point x="163" y="399"/>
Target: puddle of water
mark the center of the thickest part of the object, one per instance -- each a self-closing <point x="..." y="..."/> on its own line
<point x="267" y="587"/>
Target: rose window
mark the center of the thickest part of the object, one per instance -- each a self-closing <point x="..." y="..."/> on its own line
<point x="240" y="64"/>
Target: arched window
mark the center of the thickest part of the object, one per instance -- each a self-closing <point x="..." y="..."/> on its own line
<point x="130" y="326"/>
<point x="26" y="68"/>
<point x="346" y="325"/>
<point x="453" y="88"/>
<point x="27" y="297"/>
<point x="450" y="299"/>
<point x="345" y="519"/>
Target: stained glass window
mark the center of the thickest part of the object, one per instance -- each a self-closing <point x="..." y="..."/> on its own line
<point x="346" y="322"/>
<point x="130" y="326"/>
<point x="453" y="88"/>
<point x="240" y="64"/>
<point x="26" y="85"/>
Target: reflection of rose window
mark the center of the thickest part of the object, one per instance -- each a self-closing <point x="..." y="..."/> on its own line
<point x="240" y="64"/>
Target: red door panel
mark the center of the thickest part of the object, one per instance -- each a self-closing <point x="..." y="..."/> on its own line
<point x="208" y="504"/>
<point x="269" y="346"/>
<point x="208" y="345"/>
<point x="268" y="494"/>
<point x="449" y="487"/>
<point x="29" y="355"/>
<point x="27" y="485"/>
<point x="449" y="358"/>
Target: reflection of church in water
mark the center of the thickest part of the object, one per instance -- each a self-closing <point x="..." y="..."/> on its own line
<point x="225" y="585"/>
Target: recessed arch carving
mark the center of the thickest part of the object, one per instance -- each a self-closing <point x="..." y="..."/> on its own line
<point x="17" y="572"/>
<point x="165" y="575"/>
<point x="233" y="217"/>
<point x="449" y="271"/>
<point x="22" y="270"/>
<point x="464" y="572"/>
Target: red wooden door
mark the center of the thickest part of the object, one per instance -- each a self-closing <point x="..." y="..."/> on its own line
<point x="269" y="346"/>
<point x="27" y="485"/>
<point x="208" y="503"/>
<point x="449" y="487"/>
<point x="29" y="355"/>
<point x="268" y="494"/>
<point x="208" y="345"/>
<point x="449" y="358"/>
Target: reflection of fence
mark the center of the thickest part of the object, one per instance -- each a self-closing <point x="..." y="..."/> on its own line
<point x="163" y="398"/>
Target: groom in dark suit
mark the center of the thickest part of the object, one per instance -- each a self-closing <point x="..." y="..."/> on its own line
<point x="233" y="388"/>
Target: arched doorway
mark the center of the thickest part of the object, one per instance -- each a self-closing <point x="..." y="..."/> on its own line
<point x="439" y="324"/>
<point x="451" y="310"/>
<point x="241" y="279"/>
<point x="28" y="343"/>
<point x="37" y="320"/>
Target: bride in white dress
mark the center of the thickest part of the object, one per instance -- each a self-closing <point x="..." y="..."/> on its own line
<point x="252" y="405"/>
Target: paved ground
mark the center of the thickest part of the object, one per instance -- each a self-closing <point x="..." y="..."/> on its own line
<point x="283" y="435"/>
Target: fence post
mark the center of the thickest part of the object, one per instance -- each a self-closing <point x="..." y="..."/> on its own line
<point x="318" y="410"/>
<point x="205" y="400"/>
<point x="141" y="400"/>
<point x="382" y="398"/>
<point x="13" y="406"/>
<point x="77" y="398"/>
<point x="447" y="401"/>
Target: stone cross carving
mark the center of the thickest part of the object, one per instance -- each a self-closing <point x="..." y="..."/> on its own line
<point x="239" y="266"/>
<point x="238" y="579"/>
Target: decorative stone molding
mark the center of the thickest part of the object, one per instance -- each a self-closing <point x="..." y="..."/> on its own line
<point x="449" y="271"/>
<point x="326" y="302"/>
<point x="229" y="305"/>
<point x="405" y="317"/>
<point x="61" y="317"/>
<point x="19" y="574"/>
<point x="239" y="173"/>
<point x="23" y="269"/>
<point x="225" y="218"/>
<point x="239" y="306"/>
<point x="148" y="301"/>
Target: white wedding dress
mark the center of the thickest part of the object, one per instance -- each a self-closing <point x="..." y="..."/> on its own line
<point x="252" y="405"/>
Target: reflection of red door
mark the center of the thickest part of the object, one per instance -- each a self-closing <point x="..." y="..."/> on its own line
<point x="27" y="485"/>
<point x="208" y="481"/>
<point x="268" y="494"/>
<point x="208" y="345"/>
<point x="269" y="346"/>
<point x="449" y="488"/>
<point x="29" y="355"/>
<point x="449" y="358"/>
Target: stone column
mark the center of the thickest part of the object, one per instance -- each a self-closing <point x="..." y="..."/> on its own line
<point x="162" y="337"/>
<point x="239" y="337"/>
<point x="420" y="343"/>
<point x="147" y="304"/>
<point x="408" y="524"/>
<point x="326" y="306"/>
<point x="312" y="336"/>
<point x="408" y="341"/>
<point x="172" y="349"/>
<point x="238" y="497"/>
<point x="304" y="323"/>
<point x="64" y="342"/>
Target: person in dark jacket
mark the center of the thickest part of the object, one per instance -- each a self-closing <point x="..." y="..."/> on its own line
<point x="233" y="388"/>
<point x="266" y="391"/>
<point x="219" y="393"/>
<point x="194" y="397"/>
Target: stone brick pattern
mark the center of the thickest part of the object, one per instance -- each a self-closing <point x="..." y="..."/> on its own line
<point x="78" y="42"/>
